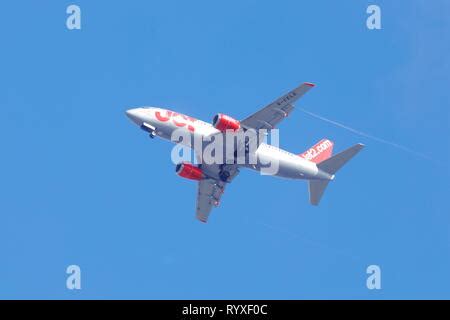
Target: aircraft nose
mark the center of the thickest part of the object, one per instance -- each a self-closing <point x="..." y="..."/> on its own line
<point x="134" y="115"/>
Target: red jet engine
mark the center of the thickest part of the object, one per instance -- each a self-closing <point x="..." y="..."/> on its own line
<point x="223" y="122"/>
<point x="189" y="171"/>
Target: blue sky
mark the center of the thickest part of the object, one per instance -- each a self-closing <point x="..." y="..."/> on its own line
<point x="80" y="184"/>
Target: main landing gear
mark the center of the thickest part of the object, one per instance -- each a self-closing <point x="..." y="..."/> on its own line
<point x="224" y="175"/>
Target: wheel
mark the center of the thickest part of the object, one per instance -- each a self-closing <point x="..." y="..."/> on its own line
<point x="224" y="175"/>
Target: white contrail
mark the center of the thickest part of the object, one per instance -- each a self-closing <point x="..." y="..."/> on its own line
<point x="366" y="135"/>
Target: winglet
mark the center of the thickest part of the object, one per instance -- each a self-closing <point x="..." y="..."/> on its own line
<point x="202" y="218"/>
<point x="310" y="84"/>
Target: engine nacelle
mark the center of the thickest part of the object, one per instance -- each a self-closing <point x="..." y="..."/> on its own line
<point x="223" y="122"/>
<point x="189" y="171"/>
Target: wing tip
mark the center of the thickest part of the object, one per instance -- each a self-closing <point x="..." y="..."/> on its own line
<point x="202" y="219"/>
<point x="309" y="84"/>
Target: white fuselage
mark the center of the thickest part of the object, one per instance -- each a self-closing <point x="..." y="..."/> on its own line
<point x="163" y="123"/>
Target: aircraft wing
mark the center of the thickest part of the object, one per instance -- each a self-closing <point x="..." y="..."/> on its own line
<point x="210" y="191"/>
<point x="272" y="114"/>
<point x="209" y="194"/>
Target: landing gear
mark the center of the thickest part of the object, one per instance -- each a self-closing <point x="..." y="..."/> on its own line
<point x="224" y="175"/>
<point x="150" y="129"/>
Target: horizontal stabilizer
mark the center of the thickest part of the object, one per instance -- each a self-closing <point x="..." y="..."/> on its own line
<point x="330" y="166"/>
<point x="334" y="163"/>
<point x="316" y="189"/>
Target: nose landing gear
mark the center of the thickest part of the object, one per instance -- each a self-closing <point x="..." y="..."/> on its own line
<point x="150" y="129"/>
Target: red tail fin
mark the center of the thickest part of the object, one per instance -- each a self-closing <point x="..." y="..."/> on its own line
<point x="320" y="152"/>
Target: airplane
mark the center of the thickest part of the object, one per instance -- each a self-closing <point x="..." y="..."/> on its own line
<point x="317" y="165"/>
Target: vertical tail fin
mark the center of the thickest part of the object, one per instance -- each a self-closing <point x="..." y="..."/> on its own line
<point x="330" y="166"/>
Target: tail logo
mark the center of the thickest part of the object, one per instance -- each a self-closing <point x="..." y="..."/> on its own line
<point x="321" y="151"/>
